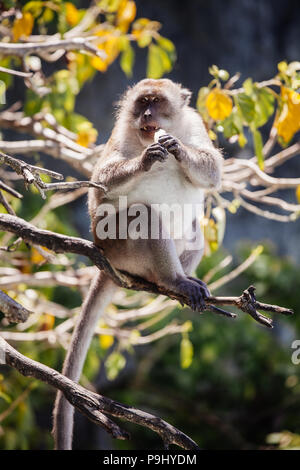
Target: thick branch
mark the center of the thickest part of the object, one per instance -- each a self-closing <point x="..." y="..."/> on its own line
<point x="62" y="243"/>
<point x="94" y="406"/>
<point x="13" y="311"/>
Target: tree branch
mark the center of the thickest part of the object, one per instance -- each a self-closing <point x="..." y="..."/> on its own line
<point x="71" y="44"/>
<point x="94" y="406"/>
<point x="13" y="311"/>
<point x="31" y="175"/>
<point x="62" y="243"/>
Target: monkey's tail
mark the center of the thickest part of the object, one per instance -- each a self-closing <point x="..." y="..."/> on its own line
<point x="99" y="296"/>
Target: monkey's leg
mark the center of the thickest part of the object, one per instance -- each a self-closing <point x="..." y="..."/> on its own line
<point x="190" y="259"/>
<point x="99" y="296"/>
<point x="167" y="271"/>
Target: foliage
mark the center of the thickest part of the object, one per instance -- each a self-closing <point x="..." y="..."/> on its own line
<point x="115" y="29"/>
<point x="241" y="385"/>
<point x="233" y="112"/>
<point x="238" y="364"/>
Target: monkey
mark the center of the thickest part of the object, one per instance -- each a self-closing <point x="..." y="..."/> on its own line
<point x="159" y="152"/>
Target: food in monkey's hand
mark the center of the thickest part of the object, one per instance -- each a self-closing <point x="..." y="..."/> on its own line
<point x="159" y="134"/>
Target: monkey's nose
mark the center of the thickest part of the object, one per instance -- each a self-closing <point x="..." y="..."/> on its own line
<point x="147" y="114"/>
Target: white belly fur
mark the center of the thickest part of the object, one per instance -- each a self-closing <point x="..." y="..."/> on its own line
<point x="166" y="184"/>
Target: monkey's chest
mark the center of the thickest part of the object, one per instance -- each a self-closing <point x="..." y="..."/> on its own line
<point x="165" y="183"/>
<point x="171" y="196"/>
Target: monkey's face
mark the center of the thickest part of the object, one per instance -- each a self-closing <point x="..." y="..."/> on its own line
<point x="152" y="111"/>
<point x="154" y="104"/>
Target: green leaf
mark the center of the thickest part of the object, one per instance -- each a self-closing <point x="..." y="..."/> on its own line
<point x="201" y="99"/>
<point x="242" y="140"/>
<point x="168" y="46"/>
<point x="233" y="125"/>
<point x="5" y="397"/>
<point x="247" y="107"/>
<point x="6" y="78"/>
<point x="34" y="7"/>
<point x="109" y="5"/>
<point x="258" y="148"/>
<point x="156" y="62"/>
<point x="127" y="60"/>
<point x="186" y="353"/>
<point x="248" y="86"/>
<point x="214" y="71"/>
<point x="144" y="40"/>
<point x="264" y="106"/>
<point x="33" y="103"/>
<point x="114" y="364"/>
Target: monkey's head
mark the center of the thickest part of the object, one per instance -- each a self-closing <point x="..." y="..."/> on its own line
<point x="154" y="104"/>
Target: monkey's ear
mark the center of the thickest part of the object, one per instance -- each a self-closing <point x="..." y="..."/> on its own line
<point x="186" y="96"/>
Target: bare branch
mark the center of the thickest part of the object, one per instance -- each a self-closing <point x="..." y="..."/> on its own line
<point x="12" y="310"/>
<point x="31" y="175"/>
<point x="9" y="190"/>
<point x="61" y="243"/>
<point x="16" y="72"/>
<point x="71" y="44"/>
<point x="95" y="406"/>
<point x="5" y="204"/>
<point x="235" y="272"/>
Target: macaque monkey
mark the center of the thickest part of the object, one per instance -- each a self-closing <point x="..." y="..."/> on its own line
<point x="159" y="153"/>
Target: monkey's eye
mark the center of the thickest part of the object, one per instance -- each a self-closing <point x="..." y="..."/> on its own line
<point x="144" y="100"/>
<point x="156" y="100"/>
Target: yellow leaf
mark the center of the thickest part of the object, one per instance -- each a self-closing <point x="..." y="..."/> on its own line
<point x="72" y="14"/>
<point x="298" y="193"/>
<point x="111" y="47"/>
<point x="282" y="66"/>
<point x="126" y="14"/>
<point x="139" y="27"/>
<point x="46" y="322"/>
<point x="186" y="353"/>
<point x="36" y="257"/>
<point x="233" y="207"/>
<point x="211" y="235"/>
<point x="87" y="136"/>
<point x="106" y="341"/>
<point x="242" y="140"/>
<point x="22" y="26"/>
<point x="212" y="134"/>
<point x="218" y="104"/>
<point x="288" y="121"/>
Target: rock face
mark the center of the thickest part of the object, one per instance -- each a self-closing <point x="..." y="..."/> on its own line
<point x="249" y="36"/>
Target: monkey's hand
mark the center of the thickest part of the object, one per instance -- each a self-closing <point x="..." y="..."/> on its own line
<point x="153" y="153"/>
<point x="172" y="145"/>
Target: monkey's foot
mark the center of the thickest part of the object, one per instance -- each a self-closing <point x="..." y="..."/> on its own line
<point x="206" y="294"/>
<point x="195" y="292"/>
<point x="202" y="284"/>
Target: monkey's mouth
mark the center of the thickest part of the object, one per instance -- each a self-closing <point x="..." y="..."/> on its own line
<point x="149" y="130"/>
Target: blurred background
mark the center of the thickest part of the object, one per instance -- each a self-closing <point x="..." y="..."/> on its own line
<point x="242" y="385"/>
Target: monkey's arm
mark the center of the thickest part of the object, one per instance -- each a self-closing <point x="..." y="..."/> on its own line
<point x="118" y="171"/>
<point x="201" y="165"/>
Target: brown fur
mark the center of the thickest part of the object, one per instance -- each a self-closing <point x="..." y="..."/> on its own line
<point x="177" y="169"/>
